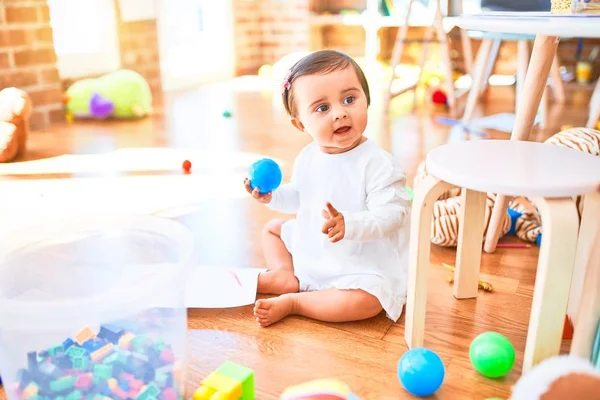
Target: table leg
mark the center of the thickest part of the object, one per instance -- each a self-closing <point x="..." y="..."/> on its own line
<point x="542" y="56"/>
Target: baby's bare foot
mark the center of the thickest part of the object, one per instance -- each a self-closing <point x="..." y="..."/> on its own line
<point x="269" y="311"/>
<point x="277" y="281"/>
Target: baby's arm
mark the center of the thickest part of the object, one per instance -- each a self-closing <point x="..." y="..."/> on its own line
<point x="388" y="204"/>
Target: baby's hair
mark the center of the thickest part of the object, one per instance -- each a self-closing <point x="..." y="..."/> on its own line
<point x="319" y="62"/>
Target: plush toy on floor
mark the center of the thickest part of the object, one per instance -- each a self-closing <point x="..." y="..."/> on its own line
<point x="522" y="219"/>
<point x="557" y="378"/>
<point x="15" y="109"/>
<point x="120" y="94"/>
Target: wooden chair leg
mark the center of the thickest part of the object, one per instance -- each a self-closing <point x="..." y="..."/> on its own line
<point x="522" y="63"/>
<point x="397" y="52"/>
<point x="489" y="66"/>
<point x="553" y="279"/>
<point x="588" y="257"/>
<point x="585" y="246"/>
<point x="477" y="77"/>
<point x="594" y="115"/>
<point x="468" y="251"/>
<point x="557" y="84"/>
<point x="544" y="50"/>
<point x="426" y="194"/>
<point x="446" y="62"/>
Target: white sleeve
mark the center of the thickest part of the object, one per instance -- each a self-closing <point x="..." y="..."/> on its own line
<point x="388" y="204"/>
<point x="285" y="199"/>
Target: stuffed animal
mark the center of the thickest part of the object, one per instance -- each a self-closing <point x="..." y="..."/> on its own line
<point x="522" y="217"/>
<point x="15" y="109"/>
<point x="120" y="94"/>
<point x="557" y="378"/>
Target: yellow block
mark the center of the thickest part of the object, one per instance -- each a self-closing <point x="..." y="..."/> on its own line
<point x="216" y="386"/>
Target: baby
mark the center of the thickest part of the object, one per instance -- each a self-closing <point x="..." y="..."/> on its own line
<point x="345" y="255"/>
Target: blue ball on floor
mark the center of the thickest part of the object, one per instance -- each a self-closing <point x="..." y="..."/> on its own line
<point x="266" y="175"/>
<point x="421" y="371"/>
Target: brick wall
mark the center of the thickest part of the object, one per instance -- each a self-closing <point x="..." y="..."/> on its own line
<point x="138" y="41"/>
<point x="28" y="60"/>
<point x="266" y="30"/>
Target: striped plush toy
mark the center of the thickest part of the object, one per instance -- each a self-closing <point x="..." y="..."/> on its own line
<point x="527" y="223"/>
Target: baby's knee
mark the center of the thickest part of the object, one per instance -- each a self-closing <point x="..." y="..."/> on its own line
<point x="371" y="305"/>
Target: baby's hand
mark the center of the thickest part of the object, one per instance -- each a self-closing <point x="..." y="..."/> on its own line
<point x="263" y="198"/>
<point x="334" y="227"/>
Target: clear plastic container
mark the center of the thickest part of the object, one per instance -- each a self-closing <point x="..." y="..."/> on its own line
<point x="93" y="307"/>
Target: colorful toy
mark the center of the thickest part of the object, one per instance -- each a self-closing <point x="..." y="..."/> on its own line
<point x="230" y="381"/>
<point x="187" y="166"/>
<point x="227" y="114"/>
<point x="492" y="354"/>
<point x="482" y="284"/>
<point x="15" y="109"/>
<point x="266" y="175"/>
<point x="421" y="371"/>
<point x="524" y="219"/>
<point x="438" y="97"/>
<point x="120" y="94"/>
<point x="323" y="389"/>
<point x="114" y="363"/>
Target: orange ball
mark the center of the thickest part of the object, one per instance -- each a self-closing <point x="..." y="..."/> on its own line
<point x="187" y="166"/>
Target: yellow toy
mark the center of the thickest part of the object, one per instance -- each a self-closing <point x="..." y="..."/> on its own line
<point x="230" y="381"/>
<point x="322" y="389"/>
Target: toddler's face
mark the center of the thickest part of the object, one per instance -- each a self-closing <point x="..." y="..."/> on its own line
<point x="332" y="108"/>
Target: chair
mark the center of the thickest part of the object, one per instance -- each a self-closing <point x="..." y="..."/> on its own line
<point x="554" y="175"/>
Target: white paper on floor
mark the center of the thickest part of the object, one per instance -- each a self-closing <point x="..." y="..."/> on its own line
<point x="221" y="287"/>
<point x="501" y="122"/>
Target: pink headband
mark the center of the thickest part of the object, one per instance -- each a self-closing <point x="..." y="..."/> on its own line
<point x="286" y="82"/>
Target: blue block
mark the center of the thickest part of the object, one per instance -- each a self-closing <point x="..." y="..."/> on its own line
<point x="112" y="333"/>
<point x="92" y="345"/>
<point x="514" y="216"/>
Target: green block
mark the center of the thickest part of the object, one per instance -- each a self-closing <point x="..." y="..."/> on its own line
<point x="102" y="371"/>
<point x="64" y="383"/>
<point x="75" y="395"/>
<point x="150" y="393"/>
<point x="241" y="374"/>
<point x="80" y="362"/>
<point x="76" y="351"/>
<point x="52" y="351"/>
<point x="138" y="343"/>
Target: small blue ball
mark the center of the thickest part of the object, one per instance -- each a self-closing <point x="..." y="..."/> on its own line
<point x="421" y="371"/>
<point x="266" y="175"/>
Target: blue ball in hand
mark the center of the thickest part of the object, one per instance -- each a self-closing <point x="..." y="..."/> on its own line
<point x="421" y="371"/>
<point x="266" y="175"/>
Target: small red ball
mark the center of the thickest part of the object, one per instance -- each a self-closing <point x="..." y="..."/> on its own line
<point x="439" y="97"/>
<point x="187" y="166"/>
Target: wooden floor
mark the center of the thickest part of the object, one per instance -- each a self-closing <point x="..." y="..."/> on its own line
<point x="363" y="354"/>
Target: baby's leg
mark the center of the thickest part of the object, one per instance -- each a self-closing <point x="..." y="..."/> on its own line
<point x="280" y="277"/>
<point x="330" y="305"/>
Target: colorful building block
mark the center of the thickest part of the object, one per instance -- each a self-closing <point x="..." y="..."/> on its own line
<point x="241" y="374"/>
<point x="230" y="381"/>
<point x="217" y="386"/>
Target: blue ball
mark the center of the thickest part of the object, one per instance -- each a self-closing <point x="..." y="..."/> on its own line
<point x="421" y="371"/>
<point x="266" y="175"/>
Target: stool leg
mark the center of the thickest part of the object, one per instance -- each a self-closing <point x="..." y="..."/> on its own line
<point x="594" y="114"/>
<point x="584" y="304"/>
<point x="553" y="279"/>
<point x="470" y="238"/>
<point x="429" y="190"/>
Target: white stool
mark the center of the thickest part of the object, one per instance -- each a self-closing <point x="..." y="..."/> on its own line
<point x="548" y="175"/>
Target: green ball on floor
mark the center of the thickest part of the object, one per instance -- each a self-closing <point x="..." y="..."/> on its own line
<point x="492" y="354"/>
<point x="227" y="114"/>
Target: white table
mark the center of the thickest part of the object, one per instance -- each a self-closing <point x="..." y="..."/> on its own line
<point x="548" y="29"/>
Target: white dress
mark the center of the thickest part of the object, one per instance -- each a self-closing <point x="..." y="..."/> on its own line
<point x="367" y="185"/>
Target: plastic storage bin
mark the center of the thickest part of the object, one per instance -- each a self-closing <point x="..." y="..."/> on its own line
<point x="93" y="307"/>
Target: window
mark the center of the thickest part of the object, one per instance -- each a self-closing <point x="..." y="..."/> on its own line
<point x="85" y="37"/>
